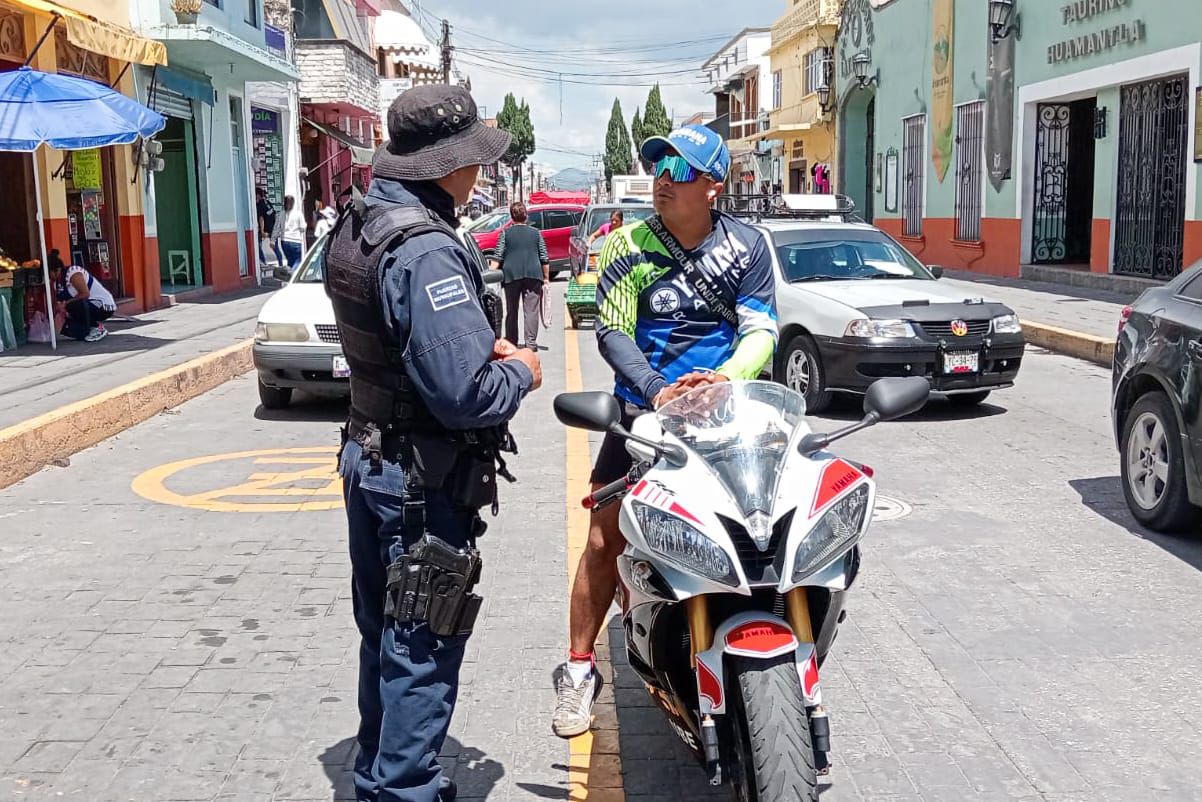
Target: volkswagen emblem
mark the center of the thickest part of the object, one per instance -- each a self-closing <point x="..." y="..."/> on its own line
<point x="959" y="328"/>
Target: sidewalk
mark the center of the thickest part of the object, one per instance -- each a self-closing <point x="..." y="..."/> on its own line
<point x="35" y="380"/>
<point x="1074" y="321"/>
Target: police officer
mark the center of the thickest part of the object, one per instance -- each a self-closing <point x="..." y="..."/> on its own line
<point x="431" y="391"/>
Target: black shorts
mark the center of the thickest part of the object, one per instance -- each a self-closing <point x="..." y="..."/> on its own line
<point x="613" y="460"/>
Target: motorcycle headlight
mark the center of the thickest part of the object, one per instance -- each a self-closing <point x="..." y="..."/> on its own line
<point x="837" y="528"/>
<point x="282" y="333"/>
<point x="892" y="329"/>
<point x="684" y="545"/>
<point x="1007" y="324"/>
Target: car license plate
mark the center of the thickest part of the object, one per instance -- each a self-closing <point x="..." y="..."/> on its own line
<point x="961" y="362"/>
<point x="341" y="368"/>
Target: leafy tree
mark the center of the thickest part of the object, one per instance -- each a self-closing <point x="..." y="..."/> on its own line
<point x="515" y="119"/>
<point x="618" y="159"/>
<point x="638" y="134"/>
<point x="656" y="121"/>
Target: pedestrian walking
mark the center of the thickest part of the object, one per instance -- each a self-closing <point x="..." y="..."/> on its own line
<point x="432" y="391"/>
<point x="267" y="214"/>
<point x="294" y="232"/>
<point x="521" y="255"/>
<point x="326" y="217"/>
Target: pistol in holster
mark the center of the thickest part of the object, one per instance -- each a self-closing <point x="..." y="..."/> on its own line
<point x="432" y="583"/>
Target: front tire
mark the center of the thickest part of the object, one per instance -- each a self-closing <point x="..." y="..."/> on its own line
<point x="1153" y="467"/>
<point x="801" y="370"/>
<point x="772" y="756"/>
<point x="274" y="397"/>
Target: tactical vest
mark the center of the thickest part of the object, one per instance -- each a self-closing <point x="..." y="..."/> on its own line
<point x="382" y="395"/>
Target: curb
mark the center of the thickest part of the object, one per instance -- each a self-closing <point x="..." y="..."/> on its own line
<point x="1098" y="350"/>
<point x="31" y="445"/>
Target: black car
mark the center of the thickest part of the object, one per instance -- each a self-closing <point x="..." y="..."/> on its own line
<point x="1157" y="387"/>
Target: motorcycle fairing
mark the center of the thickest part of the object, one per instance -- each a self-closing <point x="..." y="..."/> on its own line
<point x="753" y="634"/>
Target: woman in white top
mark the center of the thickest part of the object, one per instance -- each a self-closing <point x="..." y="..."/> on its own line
<point x="294" y="232"/>
<point x="327" y="218"/>
<point x="86" y="302"/>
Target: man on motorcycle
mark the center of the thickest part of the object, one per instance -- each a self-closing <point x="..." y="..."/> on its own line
<point x="685" y="299"/>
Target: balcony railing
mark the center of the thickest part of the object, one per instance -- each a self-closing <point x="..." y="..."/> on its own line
<point x="804" y="14"/>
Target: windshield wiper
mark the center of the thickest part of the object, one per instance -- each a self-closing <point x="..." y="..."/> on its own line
<point x="824" y="278"/>
<point x="890" y="275"/>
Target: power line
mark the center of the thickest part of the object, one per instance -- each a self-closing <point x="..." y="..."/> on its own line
<point x="553" y="78"/>
<point x="545" y="71"/>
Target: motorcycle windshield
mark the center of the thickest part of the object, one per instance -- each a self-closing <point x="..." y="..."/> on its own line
<point x="742" y="429"/>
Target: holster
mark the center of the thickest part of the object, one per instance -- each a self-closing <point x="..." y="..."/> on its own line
<point x="432" y="582"/>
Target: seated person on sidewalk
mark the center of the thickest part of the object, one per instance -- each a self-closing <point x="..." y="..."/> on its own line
<point x="86" y="302"/>
<point x="662" y="339"/>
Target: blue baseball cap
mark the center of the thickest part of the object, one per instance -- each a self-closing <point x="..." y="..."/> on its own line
<point x="700" y="146"/>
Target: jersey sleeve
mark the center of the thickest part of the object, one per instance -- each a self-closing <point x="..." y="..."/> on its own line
<point x="756" y="307"/>
<point x="618" y="290"/>
<point x="446" y="339"/>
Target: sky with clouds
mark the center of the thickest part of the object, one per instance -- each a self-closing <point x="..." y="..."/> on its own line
<point x="602" y="50"/>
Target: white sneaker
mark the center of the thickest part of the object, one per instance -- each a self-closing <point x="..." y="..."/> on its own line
<point x="574" y="708"/>
<point x="98" y="333"/>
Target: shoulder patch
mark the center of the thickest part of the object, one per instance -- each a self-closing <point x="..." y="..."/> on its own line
<point x="447" y="293"/>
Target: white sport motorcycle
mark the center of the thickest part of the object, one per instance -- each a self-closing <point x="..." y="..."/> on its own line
<point x="742" y="532"/>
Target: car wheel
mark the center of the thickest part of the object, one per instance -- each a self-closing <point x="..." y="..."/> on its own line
<point x="1153" y="467"/>
<point x="274" y="397"/>
<point x="801" y="370"/>
<point x="968" y="399"/>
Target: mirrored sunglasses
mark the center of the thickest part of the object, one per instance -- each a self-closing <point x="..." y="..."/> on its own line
<point x="679" y="170"/>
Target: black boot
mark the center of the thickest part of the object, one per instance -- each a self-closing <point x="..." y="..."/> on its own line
<point x="447" y="790"/>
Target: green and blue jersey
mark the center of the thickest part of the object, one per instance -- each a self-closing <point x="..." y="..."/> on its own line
<point x="653" y="327"/>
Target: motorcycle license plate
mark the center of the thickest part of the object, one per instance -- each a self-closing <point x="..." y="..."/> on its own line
<point x="340" y="368"/>
<point x="961" y="362"/>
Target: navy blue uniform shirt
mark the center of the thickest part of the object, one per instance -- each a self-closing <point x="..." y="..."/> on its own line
<point x="430" y="293"/>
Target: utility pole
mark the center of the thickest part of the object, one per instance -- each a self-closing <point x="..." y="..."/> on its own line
<point x="445" y="46"/>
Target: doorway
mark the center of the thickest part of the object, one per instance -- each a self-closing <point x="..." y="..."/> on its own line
<point x="175" y="208"/>
<point x="1062" y="213"/>
<point x="241" y="188"/>
<point x="870" y="145"/>
<point x="1149" y="232"/>
<point x="857" y="136"/>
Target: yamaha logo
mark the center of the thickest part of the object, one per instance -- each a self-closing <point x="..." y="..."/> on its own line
<point x="959" y="328"/>
<point x="665" y="301"/>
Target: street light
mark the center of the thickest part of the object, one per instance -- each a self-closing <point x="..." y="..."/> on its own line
<point x="824" y="97"/>
<point x="860" y="65"/>
<point x="1003" y="20"/>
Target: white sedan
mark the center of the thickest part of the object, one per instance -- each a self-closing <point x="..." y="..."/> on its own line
<point x="296" y="340"/>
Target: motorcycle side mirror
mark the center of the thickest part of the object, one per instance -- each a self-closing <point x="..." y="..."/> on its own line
<point x="890" y="399"/>
<point x="593" y="411"/>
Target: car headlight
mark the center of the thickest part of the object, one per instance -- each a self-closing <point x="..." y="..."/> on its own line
<point x="837" y="529"/>
<point x="684" y="545"/>
<point x="1007" y="324"/>
<point x="894" y="329"/>
<point x="282" y="333"/>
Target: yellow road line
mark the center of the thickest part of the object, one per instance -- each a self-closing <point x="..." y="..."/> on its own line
<point x="595" y="762"/>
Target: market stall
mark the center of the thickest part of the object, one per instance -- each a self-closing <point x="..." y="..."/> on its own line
<point x="64" y="113"/>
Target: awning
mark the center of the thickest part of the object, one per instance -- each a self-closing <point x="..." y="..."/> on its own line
<point x="791" y="131"/>
<point x="194" y="87"/>
<point x="98" y="36"/>
<point x="482" y="199"/>
<point x="360" y="153"/>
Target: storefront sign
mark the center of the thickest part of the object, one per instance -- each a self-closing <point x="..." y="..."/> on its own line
<point x="1090" y="44"/>
<point x="263" y="121"/>
<point x="275" y="40"/>
<point x="891" y="158"/>
<point x="942" y="89"/>
<point x="999" y="111"/>
<point x="85" y="166"/>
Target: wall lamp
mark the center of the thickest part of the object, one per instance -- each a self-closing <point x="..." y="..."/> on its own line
<point x="824" y="98"/>
<point x="860" y="65"/>
<point x="1003" y="20"/>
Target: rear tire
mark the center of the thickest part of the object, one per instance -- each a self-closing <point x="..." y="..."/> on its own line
<point x="968" y="399"/>
<point x="274" y="397"/>
<point x="801" y="370"/>
<point x="772" y="756"/>
<point x="1153" y="467"/>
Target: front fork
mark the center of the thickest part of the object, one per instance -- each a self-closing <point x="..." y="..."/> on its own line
<point x="797" y="614"/>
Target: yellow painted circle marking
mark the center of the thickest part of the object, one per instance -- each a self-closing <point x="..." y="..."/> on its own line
<point x="308" y="474"/>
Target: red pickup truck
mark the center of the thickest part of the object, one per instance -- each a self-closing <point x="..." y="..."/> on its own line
<point x="556" y="221"/>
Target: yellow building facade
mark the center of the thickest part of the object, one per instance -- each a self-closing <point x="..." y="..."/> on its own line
<point x="802" y="49"/>
<point x="90" y="201"/>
